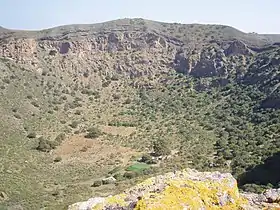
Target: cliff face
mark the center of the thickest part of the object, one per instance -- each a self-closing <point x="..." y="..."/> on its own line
<point x="134" y="48"/>
<point x="187" y="189"/>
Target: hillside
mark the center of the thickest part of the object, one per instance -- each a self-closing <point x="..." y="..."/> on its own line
<point x="80" y="103"/>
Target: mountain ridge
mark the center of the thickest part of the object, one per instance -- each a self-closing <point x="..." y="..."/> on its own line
<point x="155" y="25"/>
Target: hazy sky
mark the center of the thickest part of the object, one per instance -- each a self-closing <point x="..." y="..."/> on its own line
<point x="262" y="16"/>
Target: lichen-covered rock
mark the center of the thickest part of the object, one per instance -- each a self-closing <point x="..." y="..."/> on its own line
<point x="87" y="204"/>
<point x="187" y="189"/>
<point x="272" y="195"/>
<point x="269" y="199"/>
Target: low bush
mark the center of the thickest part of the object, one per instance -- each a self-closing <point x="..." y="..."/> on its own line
<point x="60" y="137"/>
<point x="130" y="174"/>
<point x="31" y="135"/>
<point x="146" y="158"/>
<point x="57" y="159"/>
<point x="93" y="133"/>
<point x="46" y="145"/>
<point x="74" y="124"/>
<point x="97" y="183"/>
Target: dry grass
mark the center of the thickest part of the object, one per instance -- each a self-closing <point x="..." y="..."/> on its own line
<point x="78" y="149"/>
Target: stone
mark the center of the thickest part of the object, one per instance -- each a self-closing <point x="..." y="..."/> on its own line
<point x="272" y="195"/>
<point x="3" y="196"/>
<point x="87" y="205"/>
<point x="109" y="180"/>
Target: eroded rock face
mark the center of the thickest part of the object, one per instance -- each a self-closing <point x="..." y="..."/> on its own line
<point x="130" y="53"/>
<point x="188" y="189"/>
<point x="238" y="47"/>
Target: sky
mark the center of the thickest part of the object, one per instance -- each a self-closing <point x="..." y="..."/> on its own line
<point x="260" y="16"/>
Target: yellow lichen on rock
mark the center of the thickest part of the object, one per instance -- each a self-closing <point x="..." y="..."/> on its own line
<point x="118" y="200"/>
<point x="180" y="190"/>
<point x="188" y="194"/>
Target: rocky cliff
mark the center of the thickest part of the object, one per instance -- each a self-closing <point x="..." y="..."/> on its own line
<point x="187" y="189"/>
<point x="135" y="47"/>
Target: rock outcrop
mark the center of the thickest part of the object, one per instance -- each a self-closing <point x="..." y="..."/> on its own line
<point x="269" y="199"/>
<point x="187" y="189"/>
<point x="133" y="50"/>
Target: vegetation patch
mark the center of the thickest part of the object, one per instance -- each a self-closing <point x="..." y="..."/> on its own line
<point x="138" y="167"/>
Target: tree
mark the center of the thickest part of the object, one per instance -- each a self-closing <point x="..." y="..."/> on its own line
<point x="93" y="133"/>
<point x="160" y="147"/>
<point x="45" y="145"/>
<point x="31" y="135"/>
<point x="146" y="158"/>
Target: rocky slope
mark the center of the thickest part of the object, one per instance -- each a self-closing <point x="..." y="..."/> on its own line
<point x="128" y="47"/>
<point x="187" y="189"/>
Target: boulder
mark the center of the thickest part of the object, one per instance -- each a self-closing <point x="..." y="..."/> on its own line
<point x="3" y="196"/>
<point x="272" y="195"/>
<point x="109" y="180"/>
<point x="187" y="189"/>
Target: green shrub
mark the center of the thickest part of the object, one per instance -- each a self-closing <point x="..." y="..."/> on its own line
<point x="60" y="137"/>
<point x="115" y="77"/>
<point x="116" y="97"/>
<point x="31" y="135"/>
<point x="35" y="104"/>
<point x="161" y="147"/>
<point x="78" y="112"/>
<point x="118" y="168"/>
<point x="97" y="183"/>
<point x="254" y="188"/>
<point x="146" y="158"/>
<point x="45" y="145"/>
<point x="74" y="124"/>
<point x="86" y="74"/>
<point x="93" y="133"/>
<point x="57" y="159"/>
<point x="130" y="174"/>
<point x="17" y="116"/>
<point x="106" y="84"/>
<point x="6" y="80"/>
<point x="50" y="111"/>
<point x="148" y="171"/>
<point x="118" y="176"/>
<point x="127" y="101"/>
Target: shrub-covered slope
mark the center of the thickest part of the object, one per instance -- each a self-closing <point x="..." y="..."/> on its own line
<point x="84" y="102"/>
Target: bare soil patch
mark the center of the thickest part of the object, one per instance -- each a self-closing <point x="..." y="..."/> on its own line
<point x="122" y="131"/>
<point x="78" y="149"/>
